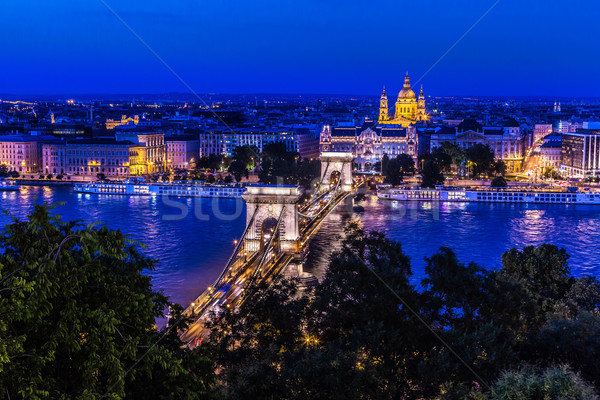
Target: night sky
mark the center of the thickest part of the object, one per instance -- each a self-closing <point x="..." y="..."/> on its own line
<point x="522" y="47"/>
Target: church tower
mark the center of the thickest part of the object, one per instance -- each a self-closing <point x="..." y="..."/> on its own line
<point x="383" y="107"/>
<point x="421" y="113"/>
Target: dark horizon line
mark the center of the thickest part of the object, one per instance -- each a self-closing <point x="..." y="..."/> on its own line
<point x="201" y="95"/>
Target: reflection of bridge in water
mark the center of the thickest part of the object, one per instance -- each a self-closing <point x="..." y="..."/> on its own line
<point x="278" y="231"/>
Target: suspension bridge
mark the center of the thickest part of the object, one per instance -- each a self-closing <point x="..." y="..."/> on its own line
<point x="275" y="241"/>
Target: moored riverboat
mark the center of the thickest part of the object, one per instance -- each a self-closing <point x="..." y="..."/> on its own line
<point x="6" y="186"/>
<point x="492" y="195"/>
<point x="162" y="189"/>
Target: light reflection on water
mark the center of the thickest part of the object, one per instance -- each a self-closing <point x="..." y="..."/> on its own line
<point x="478" y="232"/>
<point x="192" y="252"/>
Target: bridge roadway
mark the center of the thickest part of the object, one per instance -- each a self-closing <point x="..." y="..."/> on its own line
<point x="265" y="265"/>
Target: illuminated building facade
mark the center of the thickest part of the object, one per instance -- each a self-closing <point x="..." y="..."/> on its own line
<point x="541" y="130"/>
<point x="182" y="152"/>
<point x="507" y="142"/>
<point x="21" y="153"/>
<point x="580" y="155"/>
<point x="369" y="142"/>
<point x="90" y="157"/>
<point x="408" y="108"/>
<point x="550" y="154"/>
<point x="112" y="123"/>
<point x="299" y="139"/>
<point x="53" y="158"/>
<point x="149" y="154"/>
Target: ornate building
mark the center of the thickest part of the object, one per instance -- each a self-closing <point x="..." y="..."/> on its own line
<point x="369" y="142"/>
<point x="408" y="110"/>
<point x="507" y="141"/>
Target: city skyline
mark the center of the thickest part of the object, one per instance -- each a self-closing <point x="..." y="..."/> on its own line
<point x="507" y="49"/>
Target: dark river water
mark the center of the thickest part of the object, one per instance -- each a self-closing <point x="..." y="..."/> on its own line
<point x="193" y="238"/>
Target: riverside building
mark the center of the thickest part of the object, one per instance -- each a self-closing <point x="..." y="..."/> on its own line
<point x="580" y="154"/>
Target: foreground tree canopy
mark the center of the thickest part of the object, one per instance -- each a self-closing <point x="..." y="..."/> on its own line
<point x="77" y="318"/>
<point x="366" y="332"/>
<point x="77" y="322"/>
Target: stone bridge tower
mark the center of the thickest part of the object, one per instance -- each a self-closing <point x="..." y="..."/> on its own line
<point x="338" y="164"/>
<point x="271" y="201"/>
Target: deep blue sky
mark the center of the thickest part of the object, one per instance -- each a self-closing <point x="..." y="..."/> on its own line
<point x="523" y="47"/>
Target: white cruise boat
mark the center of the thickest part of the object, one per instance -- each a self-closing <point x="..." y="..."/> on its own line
<point x="492" y="195"/>
<point x="233" y="191"/>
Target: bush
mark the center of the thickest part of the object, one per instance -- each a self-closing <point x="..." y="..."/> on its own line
<point x="499" y="182"/>
<point x="551" y="383"/>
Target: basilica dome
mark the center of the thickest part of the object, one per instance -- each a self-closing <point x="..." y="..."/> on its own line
<point x="406" y="93"/>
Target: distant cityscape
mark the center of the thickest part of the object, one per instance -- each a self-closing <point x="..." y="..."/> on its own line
<point x="86" y="138"/>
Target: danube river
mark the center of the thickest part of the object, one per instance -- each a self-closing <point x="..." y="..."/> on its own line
<point x="193" y="238"/>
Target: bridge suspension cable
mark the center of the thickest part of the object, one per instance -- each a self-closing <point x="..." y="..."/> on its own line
<point x="268" y="246"/>
<point x="315" y="200"/>
<point x="239" y="245"/>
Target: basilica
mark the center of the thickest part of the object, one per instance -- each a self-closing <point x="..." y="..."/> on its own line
<point x="409" y="109"/>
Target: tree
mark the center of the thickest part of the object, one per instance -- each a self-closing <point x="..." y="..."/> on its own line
<point x="550" y="173"/>
<point x="443" y="159"/>
<point x="499" y="182"/>
<point x="366" y="332"/>
<point x="552" y="383"/>
<point x="398" y="167"/>
<point x="281" y="166"/>
<point x="384" y="163"/>
<point x="3" y="171"/>
<point x="101" y="177"/>
<point x="542" y="271"/>
<point x="78" y="317"/>
<point x="212" y="162"/>
<point x="238" y="169"/>
<point x="500" y="168"/>
<point x="247" y="155"/>
<point x="13" y="174"/>
<point x="431" y="173"/>
<point x="49" y="176"/>
<point x="59" y="177"/>
<point x="307" y="172"/>
<point x="457" y="154"/>
<point x="482" y="159"/>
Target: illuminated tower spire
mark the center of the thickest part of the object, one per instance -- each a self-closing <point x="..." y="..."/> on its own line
<point x="421" y="112"/>
<point x="383" y="107"/>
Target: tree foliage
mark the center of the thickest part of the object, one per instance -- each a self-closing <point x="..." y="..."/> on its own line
<point x="239" y="169"/>
<point x="365" y="332"/>
<point x="482" y="160"/>
<point x="77" y="321"/>
<point x="211" y="162"/>
<point x="397" y="168"/>
<point x="282" y="167"/>
<point x="499" y="182"/>
<point x="431" y="173"/>
<point x="77" y="317"/>
<point x="457" y="154"/>
<point x="551" y="383"/>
